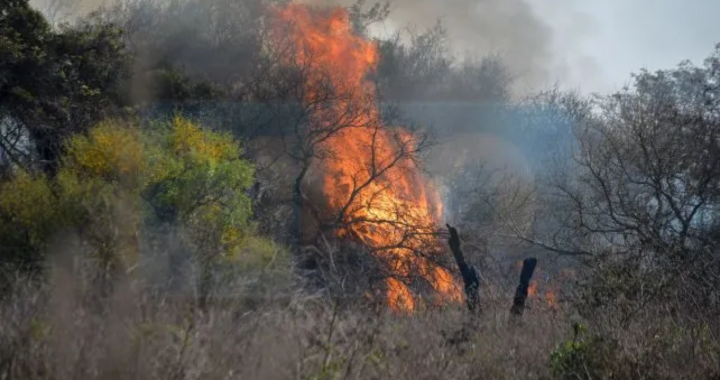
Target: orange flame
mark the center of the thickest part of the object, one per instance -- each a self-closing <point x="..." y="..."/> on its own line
<point x="371" y="181"/>
<point x="550" y="298"/>
<point x="532" y="289"/>
<point x="548" y="291"/>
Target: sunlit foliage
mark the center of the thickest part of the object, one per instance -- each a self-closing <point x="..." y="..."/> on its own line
<point x="118" y="180"/>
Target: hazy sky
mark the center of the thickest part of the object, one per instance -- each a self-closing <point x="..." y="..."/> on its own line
<point x="604" y="40"/>
<point x="591" y="45"/>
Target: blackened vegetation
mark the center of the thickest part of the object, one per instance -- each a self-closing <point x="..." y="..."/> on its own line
<point x="470" y="275"/>
<point x="522" y="290"/>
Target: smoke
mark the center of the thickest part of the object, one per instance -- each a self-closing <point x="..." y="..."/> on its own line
<point x="481" y="27"/>
<point x="523" y="33"/>
<point x="59" y="11"/>
<point x="511" y="29"/>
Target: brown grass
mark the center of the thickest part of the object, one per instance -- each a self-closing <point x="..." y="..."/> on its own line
<point x="59" y="332"/>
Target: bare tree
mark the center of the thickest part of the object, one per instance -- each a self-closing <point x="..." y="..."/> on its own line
<point x="650" y="170"/>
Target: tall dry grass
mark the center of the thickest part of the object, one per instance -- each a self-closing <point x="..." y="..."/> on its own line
<point x="61" y="330"/>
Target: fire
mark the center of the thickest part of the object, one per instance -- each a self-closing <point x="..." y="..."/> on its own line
<point x="532" y="289"/>
<point x="371" y="181"/>
<point x="548" y="289"/>
<point x="550" y="298"/>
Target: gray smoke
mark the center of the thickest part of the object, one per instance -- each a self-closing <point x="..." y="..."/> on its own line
<point x="510" y="28"/>
<point x="506" y="27"/>
<point x="60" y="11"/>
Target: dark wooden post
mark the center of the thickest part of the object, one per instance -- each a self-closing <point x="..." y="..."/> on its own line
<point x="521" y="293"/>
<point x="470" y="275"/>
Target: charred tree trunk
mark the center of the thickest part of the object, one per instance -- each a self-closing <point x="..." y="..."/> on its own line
<point x="470" y="275"/>
<point x="521" y="293"/>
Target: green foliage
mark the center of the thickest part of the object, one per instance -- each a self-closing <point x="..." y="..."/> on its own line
<point x="108" y="151"/>
<point x="28" y="215"/>
<point x="569" y="359"/>
<point x="28" y="200"/>
<point x="585" y="356"/>
<point x="23" y="31"/>
<point x="330" y="371"/>
<point x="54" y="83"/>
<point x="118" y="179"/>
<point x="198" y="179"/>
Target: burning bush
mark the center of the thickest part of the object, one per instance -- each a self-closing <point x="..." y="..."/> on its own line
<point x="375" y="191"/>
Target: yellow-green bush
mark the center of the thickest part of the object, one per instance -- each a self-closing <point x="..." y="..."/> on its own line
<point x="586" y="356"/>
<point x="119" y="179"/>
<point x="111" y="151"/>
<point x="197" y="178"/>
<point x="28" y="215"/>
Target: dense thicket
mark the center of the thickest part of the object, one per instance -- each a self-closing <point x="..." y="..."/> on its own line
<point x="55" y="82"/>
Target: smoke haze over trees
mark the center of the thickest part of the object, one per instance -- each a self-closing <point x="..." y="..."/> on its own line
<point x="188" y="187"/>
<point x="509" y="29"/>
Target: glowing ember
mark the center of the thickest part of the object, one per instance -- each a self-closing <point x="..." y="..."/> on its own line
<point x="371" y="180"/>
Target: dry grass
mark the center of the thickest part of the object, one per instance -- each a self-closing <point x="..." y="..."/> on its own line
<point x="58" y="332"/>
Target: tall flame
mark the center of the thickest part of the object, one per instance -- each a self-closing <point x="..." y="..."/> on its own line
<point x="372" y="180"/>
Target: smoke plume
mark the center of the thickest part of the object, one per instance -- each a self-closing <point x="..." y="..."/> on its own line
<point x="59" y="11"/>
<point x="509" y="28"/>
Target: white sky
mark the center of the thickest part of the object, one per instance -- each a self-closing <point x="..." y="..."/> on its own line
<point x="603" y="41"/>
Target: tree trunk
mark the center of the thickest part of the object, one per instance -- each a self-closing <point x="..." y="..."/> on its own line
<point x="470" y="275"/>
<point x="521" y="293"/>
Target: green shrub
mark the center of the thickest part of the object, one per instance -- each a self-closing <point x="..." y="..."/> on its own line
<point x="585" y="356"/>
<point x="28" y="215"/>
<point x="118" y="179"/>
